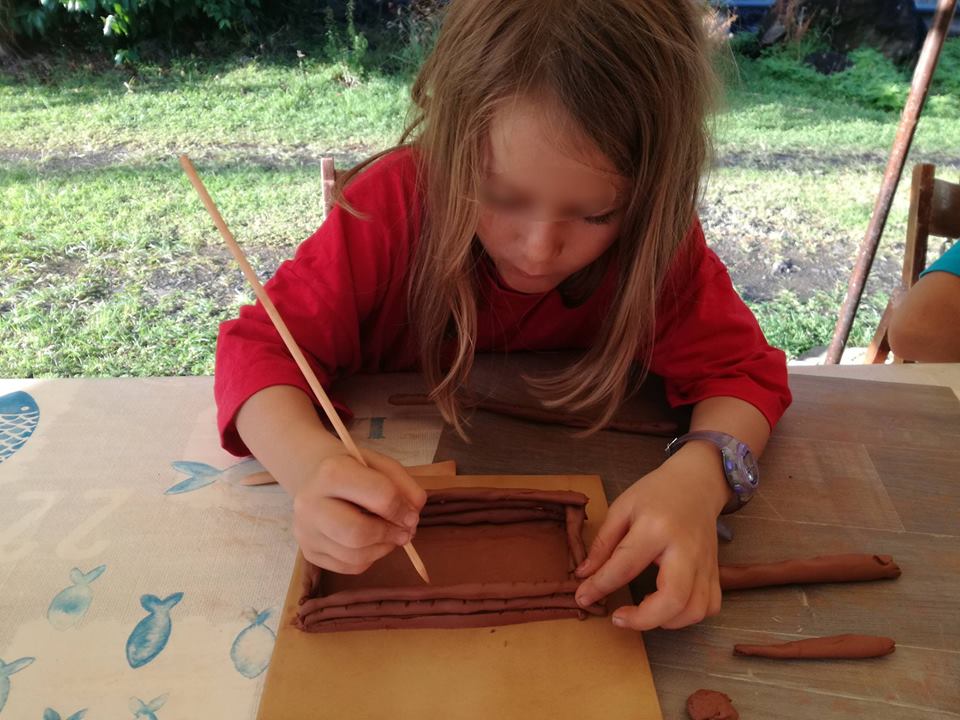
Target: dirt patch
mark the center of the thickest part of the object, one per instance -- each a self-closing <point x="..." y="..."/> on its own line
<point x="273" y="157"/>
<point x="212" y="273"/>
<point x="809" y="161"/>
<point x="269" y="158"/>
<point x="770" y="254"/>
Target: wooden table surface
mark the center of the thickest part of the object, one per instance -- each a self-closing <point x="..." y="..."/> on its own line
<point x="855" y="466"/>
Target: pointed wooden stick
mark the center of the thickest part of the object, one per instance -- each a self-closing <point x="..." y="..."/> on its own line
<point x="287" y="337"/>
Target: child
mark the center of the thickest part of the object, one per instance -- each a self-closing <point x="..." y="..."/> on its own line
<point x="544" y="199"/>
<point x="926" y="324"/>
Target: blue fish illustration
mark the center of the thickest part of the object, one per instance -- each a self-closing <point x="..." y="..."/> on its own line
<point x="253" y="646"/>
<point x="201" y="474"/>
<point x="147" y="711"/>
<point x="71" y="604"/>
<point x="51" y="714"/>
<point x="150" y="635"/>
<point x="19" y="416"/>
<point x="6" y="670"/>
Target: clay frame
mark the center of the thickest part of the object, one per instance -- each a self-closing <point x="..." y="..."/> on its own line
<point x="465" y="604"/>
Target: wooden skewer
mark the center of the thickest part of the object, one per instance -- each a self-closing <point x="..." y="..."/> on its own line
<point x="287" y="337"/>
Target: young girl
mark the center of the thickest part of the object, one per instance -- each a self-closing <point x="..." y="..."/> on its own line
<point x="542" y="198"/>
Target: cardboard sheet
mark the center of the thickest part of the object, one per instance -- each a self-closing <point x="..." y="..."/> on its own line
<point x="559" y="669"/>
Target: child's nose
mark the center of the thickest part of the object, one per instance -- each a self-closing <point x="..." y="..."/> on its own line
<point x="544" y="241"/>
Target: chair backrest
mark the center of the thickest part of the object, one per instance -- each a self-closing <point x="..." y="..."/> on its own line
<point x="934" y="211"/>
<point x="328" y="178"/>
<point x="945" y="209"/>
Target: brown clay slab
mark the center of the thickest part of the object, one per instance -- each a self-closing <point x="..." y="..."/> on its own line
<point x="495" y="557"/>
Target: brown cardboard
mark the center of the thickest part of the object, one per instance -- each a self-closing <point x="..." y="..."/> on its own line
<point x="559" y="669"/>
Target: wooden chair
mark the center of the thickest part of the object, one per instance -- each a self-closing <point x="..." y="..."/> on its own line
<point x="934" y="210"/>
<point x="328" y="178"/>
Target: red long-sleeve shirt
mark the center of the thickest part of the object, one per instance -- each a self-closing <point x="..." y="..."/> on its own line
<point x="343" y="296"/>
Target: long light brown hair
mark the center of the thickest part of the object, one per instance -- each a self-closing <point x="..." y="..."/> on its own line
<point x="636" y="77"/>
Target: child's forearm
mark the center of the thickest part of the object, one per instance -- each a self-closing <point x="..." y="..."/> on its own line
<point x="728" y="415"/>
<point x="735" y="417"/>
<point x="281" y="428"/>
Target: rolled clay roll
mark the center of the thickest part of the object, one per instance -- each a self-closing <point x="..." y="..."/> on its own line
<point x="852" y="567"/>
<point x="852" y="647"/>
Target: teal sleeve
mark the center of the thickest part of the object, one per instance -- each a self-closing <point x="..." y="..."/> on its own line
<point x="949" y="262"/>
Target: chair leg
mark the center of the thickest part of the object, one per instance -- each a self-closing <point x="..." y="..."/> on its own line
<point x="879" y="347"/>
<point x="328" y="178"/>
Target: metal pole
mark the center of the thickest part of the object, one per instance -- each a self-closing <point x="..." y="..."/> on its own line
<point x="891" y="177"/>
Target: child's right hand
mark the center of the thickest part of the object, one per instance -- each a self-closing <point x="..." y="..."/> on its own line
<point x="347" y="516"/>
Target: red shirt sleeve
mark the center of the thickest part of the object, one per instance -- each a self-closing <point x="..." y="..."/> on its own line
<point x="708" y="343"/>
<point x="348" y="271"/>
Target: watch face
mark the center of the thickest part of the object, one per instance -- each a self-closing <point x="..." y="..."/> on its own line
<point x="748" y="466"/>
<point x="741" y="470"/>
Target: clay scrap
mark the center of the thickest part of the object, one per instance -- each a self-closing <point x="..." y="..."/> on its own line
<point x="496" y="557"/>
<point x="850" y="567"/>
<point x="711" y="705"/>
<point x="853" y="647"/>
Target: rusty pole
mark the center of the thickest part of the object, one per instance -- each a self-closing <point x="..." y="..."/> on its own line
<point x="891" y="177"/>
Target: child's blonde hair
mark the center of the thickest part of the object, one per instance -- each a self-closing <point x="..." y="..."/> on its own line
<point x="636" y="77"/>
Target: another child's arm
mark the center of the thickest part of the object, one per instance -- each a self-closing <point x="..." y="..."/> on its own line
<point x="330" y="489"/>
<point x="925" y="324"/>
<point x="668" y="517"/>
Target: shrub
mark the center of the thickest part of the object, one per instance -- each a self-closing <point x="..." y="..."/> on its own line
<point x="120" y="24"/>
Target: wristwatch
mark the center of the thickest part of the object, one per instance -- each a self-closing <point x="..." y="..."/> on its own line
<point x="739" y="465"/>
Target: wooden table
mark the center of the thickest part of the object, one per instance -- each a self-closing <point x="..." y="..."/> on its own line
<point x="853" y="467"/>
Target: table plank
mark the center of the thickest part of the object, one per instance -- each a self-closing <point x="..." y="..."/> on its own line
<point x="924" y="486"/>
<point x="871" y="413"/>
<point x="839" y="484"/>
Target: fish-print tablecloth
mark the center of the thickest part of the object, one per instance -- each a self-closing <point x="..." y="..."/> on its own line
<point x="138" y="577"/>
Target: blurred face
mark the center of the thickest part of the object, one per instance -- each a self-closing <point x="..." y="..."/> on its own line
<point x="551" y="202"/>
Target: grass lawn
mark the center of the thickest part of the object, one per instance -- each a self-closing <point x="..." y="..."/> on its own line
<point x="110" y="266"/>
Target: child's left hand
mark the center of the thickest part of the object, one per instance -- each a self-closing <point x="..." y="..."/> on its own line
<point x="668" y="517"/>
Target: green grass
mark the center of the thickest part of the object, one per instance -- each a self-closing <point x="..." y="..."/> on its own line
<point x="109" y="265"/>
<point x="795" y="325"/>
<point x="777" y="104"/>
<point x="192" y="106"/>
<point x="118" y="271"/>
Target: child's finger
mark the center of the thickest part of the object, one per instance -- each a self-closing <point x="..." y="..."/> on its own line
<point x="697" y="608"/>
<point x="674" y="585"/>
<point x="372" y="490"/>
<point x="347" y="526"/>
<point x="631" y="556"/>
<point x="410" y="488"/>
<point x="603" y="545"/>
<point x="716" y="596"/>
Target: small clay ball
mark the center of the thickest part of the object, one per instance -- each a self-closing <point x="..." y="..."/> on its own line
<point x="710" y="705"/>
